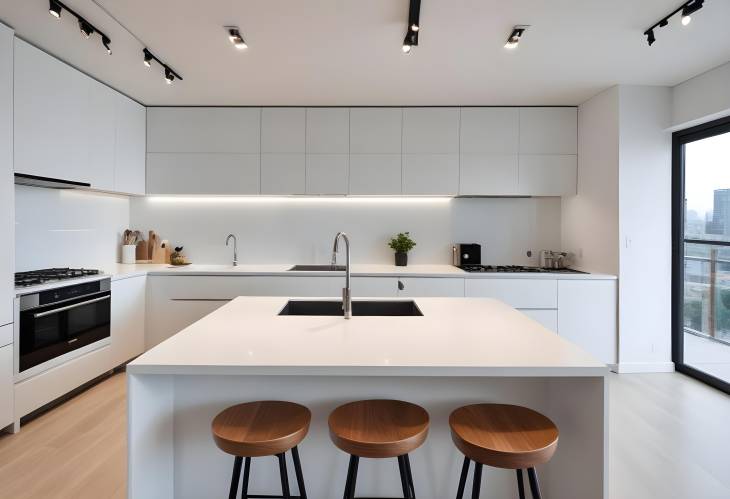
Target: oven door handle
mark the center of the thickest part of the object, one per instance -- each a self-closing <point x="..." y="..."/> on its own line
<point x="69" y="307"/>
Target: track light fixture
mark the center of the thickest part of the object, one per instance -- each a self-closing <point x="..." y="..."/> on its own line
<point x="414" y="26"/>
<point x="687" y="9"/>
<point x="86" y="29"/>
<point x="515" y="36"/>
<point x="55" y="7"/>
<point x="234" y="35"/>
<point x="170" y="75"/>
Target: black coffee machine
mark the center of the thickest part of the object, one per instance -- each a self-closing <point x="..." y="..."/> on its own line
<point x="467" y="254"/>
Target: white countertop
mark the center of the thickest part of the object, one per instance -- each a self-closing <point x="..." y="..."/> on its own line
<point x="121" y="271"/>
<point x="454" y="337"/>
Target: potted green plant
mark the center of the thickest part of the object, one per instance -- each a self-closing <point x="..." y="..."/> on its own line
<point x="402" y="244"/>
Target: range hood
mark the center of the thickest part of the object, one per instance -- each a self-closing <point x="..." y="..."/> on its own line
<point x="50" y="183"/>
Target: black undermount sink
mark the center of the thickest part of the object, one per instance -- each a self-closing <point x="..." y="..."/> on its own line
<point x="359" y="307"/>
<point x="318" y="268"/>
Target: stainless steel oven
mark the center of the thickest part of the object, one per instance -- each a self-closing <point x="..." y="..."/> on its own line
<point x="59" y="324"/>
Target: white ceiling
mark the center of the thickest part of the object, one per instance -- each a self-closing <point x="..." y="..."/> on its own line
<point x="347" y="52"/>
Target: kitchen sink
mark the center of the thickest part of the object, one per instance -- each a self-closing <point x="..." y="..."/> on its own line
<point x="318" y="268"/>
<point x="359" y="307"/>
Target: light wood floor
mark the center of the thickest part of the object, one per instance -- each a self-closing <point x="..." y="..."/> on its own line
<point x="670" y="438"/>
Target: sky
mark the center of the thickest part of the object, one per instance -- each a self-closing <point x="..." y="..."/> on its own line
<point x="707" y="167"/>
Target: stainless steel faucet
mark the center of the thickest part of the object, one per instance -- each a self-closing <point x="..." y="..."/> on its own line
<point x="235" y="248"/>
<point x="346" y="295"/>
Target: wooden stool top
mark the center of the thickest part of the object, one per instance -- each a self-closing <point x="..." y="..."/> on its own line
<point x="378" y="428"/>
<point x="503" y="436"/>
<point x="264" y="428"/>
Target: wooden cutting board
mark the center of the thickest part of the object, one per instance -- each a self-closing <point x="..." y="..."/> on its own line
<point x="142" y="252"/>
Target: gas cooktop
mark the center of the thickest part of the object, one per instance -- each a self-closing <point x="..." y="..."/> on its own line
<point x="516" y="269"/>
<point x="34" y="277"/>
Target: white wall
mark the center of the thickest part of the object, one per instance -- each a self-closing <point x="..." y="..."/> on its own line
<point x="590" y="219"/>
<point x="645" y="244"/>
<point x="296" y="230"/>
<point x="702" y="98"/>
<point x="62" y="228"/>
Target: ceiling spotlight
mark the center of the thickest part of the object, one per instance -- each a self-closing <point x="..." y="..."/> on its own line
<point x="686" y="20"/>
<point x="406" y="48"/>
<point x="54" y="9"/>
<point x="234" y="35"/>
<point x="414" y="27"/>
<point x="86" y="29"/>
<point x="169" y="77"/>
<point x="147" y="58"/>
<point x="106" y="41"/>
<point x="515" y="36"/>
<point x="689" y="9"/>
<point x="650" y="38"/>
<point x="410" y="41"/>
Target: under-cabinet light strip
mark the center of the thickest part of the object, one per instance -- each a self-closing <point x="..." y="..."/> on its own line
<point x="296" y="199"/>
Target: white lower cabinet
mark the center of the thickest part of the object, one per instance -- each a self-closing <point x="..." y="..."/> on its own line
<point x="548" y="318"/>
<point x="431" y="286"/>
<point x="7" y="410"/>
<point x="517" y="293"/>
<point x="376" y="287"/>
<point x="587" y="316"/>
<point x="128" y="319"/>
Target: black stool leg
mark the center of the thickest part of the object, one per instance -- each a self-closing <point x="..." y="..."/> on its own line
<point x="234" y="479"/>
<point x="353" y="482"/>
<point x="520" y="485"/>
<point x="284" y="477"/>
<point x="462" y="479"/>
<point x="403" y="478"/>
<point x="246" y="473"/>
<point x="476" y="488"/>
<point x="534" y="486"/>
<point x="346" y="495"/>
<point x="298" y="471"/>
<point x="409" y="475"/>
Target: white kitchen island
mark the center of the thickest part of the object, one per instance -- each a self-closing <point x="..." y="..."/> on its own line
<point x="462" y="350"/>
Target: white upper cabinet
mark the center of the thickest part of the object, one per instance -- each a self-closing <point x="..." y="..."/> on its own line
<point x="202" y="173"/>
<point x="548" y="130"/>
<point x="102" y="136"/>
<point x="489" y="146"/>
<point x="483" y="174"/>
<point x="431" y="174"/>
<point x="327" y="173"/>
<point x="283" y="130"/>
<point x="7" y="191"/>
<point x="283" y="174"/>
<point x="376" y="130"/>
<point x="50" y="117"/>
<point x="69" y="126"/>
<point x="328" y="145"/>
<point x="431" y="130"/>
<point x="375" y="174"/>
<point x="328" y="130"/>
<point x="548" y="174"/>
<point x="129" y="165"/>
<point x="490" y="130"/>
<point x="203" y="129"/>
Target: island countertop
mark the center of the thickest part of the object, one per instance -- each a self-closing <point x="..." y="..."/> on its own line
<point x="454" y="337"/>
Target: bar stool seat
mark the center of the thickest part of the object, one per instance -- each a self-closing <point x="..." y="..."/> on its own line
<point x="379" y="429"/>
<point x="503" y="436"/>
<point x="263" y="428"/>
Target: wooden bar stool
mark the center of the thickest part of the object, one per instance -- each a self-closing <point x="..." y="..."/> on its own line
<point x="379" y="429"/>
<point x="502" y="436"/>
<point x="257" y="429"/>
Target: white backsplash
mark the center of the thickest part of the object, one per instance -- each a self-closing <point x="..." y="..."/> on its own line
<point x="67" y="228"/>
<point x="296" y="230"/>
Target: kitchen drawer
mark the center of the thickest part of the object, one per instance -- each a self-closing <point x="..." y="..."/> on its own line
<point x="548" y="318"/>
<point x="7" y="409"/>
<point x="229" y="287"/>
<point x="431" y="286"/>
<point x="6" y="335"/>
<point x="518" y="293"/>
<point x="373" y="287"/>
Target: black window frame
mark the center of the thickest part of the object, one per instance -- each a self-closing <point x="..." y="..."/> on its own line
<point x="679" y="140"/>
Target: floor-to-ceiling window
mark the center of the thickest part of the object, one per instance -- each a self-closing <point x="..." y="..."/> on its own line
<point x="701" y="277"/>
